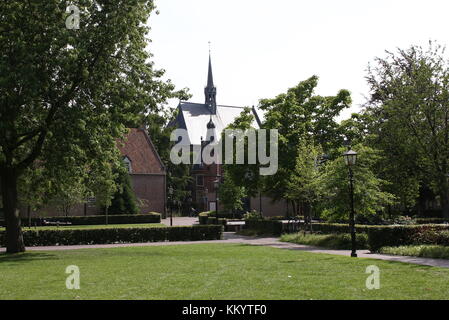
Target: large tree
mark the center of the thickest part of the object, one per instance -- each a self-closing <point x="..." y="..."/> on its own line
<point x="370" y="197"/>
<point x="410" y="102"/>
<point x="300" y="114"/>
<point x="66" y="94"/>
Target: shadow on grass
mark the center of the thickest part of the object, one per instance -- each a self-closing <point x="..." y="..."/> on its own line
<point x="25" y="257"/>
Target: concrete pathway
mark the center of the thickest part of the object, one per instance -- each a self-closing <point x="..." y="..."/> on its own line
<point x="181" y="221"/>
<point x="231" y="237"/>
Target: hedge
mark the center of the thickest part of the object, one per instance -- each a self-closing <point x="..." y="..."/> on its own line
<point x="118" y="235"/>
<point x="152" y="217"/>
<point x="431" y="220"/>
<point x="273" y="227"/>
<point x="394" y="236"/>
<point x="203" y="217"/>
<point x="328" y="228"/>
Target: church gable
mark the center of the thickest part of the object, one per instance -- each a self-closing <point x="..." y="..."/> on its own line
<point x="142" y="155"/>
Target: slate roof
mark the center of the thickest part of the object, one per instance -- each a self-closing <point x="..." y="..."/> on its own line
<point x="194" y="117"/>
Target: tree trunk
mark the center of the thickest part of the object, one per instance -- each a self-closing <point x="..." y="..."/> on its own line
<point x="14" y="237"/>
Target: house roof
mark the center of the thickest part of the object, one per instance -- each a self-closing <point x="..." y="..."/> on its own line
<point x="140" y="150"/>
<point x="194" y="117"/>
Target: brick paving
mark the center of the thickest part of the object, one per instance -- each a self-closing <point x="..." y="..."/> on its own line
<point x="230" y="237"/>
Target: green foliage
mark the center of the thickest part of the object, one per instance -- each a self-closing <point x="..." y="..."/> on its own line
<point x="340" y="241"/>
<point x="67" y="237"/>
<point x="369" y="198"/>
<point x="67" y="95"/>
<point x="393" y="236"/>
<point x="264" y="227"/>
<point x="409" y="90"/>
<point x="300" y="115"/>
<point x="124" y="200"/>
<point x="231" y="195"/>
<point x="336" y="228"/>
<point x="424" y="251"/>
<point x="178" y="176"/>
<point x="243" y="178"/>
<point x="203" y="217"/>
<point x="253" y="215"/>
<point x="304" y="183"/>
<point x="431" y="220"/>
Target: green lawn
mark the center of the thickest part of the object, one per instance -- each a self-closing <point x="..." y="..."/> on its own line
<point x="102" y="226"/>
<point x="212" y="271"/>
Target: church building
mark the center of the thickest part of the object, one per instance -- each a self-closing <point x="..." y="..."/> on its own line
<point x="204" y="122"/>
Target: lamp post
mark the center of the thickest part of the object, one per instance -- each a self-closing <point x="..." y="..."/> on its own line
<point x="350" y="160"/>
<point x="206" y="199"/>
<point x="216" y="186"/>
<point x="170" y="196"/>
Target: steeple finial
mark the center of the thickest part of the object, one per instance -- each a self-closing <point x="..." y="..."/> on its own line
<point x="210" y="91"/>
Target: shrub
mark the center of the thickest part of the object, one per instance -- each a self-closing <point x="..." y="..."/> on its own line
<point x="340" y="241"/>
<point x="253" y="215"/>
<point x="124" y="200"/>
<point x="202" y="218"/>
<point x="394" y="236"/>
<point x="425" y="251"/>
<point x="264" y="226"/>
<point x="277" y="218"/>
<point x="212" y="220"/>
<point x="329" y="228"/>
<point x="119" y="235"/>
<point x="431" y="220"/>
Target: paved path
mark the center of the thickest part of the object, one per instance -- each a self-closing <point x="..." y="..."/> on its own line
<point x="230" y="237"/>
<point x="181" y="221"/>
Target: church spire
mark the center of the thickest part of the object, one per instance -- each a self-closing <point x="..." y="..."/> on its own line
<point x="210" y="91"/>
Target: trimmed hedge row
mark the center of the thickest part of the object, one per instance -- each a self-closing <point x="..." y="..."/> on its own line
<point x="431" y="220"/>
<point x="119" y="235"/>
<point x="152" y="217"/>
<point x="394" y="236"/>
<point x="273" y="227"/>
<point x="328" y="228"/>
<point x="204" y="217"/>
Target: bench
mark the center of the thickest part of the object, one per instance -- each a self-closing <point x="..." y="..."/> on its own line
<point x="234" y="225"/>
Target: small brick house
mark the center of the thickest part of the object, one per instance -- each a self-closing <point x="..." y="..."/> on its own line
<point x="148" y="179"/>
<point x="148" y="176"/>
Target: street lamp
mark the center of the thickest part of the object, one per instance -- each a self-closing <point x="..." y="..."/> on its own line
<point x="170" y="195"/>
<point x="206" y="199"/>
<point x="216" y="186"/>
<point x="350" y="160"/>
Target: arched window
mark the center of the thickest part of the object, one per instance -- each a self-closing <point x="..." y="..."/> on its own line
<point x="127" y="162"/>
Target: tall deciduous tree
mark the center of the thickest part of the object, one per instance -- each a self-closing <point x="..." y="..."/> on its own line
<point x="300" y="114"/>
<point x="410" y="99"/>
<point x="67" y="94"/>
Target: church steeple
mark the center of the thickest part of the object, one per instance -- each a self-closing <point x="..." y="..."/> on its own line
<point x="210" y="91"/>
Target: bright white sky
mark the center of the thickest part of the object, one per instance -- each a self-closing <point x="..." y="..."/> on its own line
<point x="261" y="48"/>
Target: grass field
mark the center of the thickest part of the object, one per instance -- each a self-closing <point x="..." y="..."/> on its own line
<point x="102" y="226"/>
<point x="212" y="271"/>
